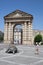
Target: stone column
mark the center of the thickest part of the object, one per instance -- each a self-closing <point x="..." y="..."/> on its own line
<point x="9" y="33"/>
<point x="5" y="32"/>
<point x="30" y="33"/>
<point x="12" y="32"/>
<point x="24" y="33"/>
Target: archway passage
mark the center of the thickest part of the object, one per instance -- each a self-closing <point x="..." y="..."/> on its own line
<point x="17" y="34"/>
<point x="14" y="18"/>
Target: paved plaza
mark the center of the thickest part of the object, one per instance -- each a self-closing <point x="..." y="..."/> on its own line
<point x="26" y="56"/>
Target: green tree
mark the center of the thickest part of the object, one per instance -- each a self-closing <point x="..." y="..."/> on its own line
<point x="1" y="38"/>
<point x="38" y="38"/>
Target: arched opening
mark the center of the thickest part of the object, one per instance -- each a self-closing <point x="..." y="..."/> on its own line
<point x="17" y="34"/>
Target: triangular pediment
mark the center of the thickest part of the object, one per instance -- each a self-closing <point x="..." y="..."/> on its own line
<point x="18" y="13"/>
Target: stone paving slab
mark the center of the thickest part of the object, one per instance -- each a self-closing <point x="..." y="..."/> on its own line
<point x="26" y="56"/>
<point x="22" y="60"/>
<point x="5" y="63"/>
<point x="40" y="63"/>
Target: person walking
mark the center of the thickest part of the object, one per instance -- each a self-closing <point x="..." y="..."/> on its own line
<point x="37" y="49"/>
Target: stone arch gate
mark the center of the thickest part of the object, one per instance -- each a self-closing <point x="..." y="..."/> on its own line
<point x="17" y="33"/>
<point x="18" y="17"/>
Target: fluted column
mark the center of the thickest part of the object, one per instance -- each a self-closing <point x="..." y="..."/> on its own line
<point x="9" y="33"/>
<point x="25" y="33"/>
<point x="12" y="32"/>
<point x="5" y="32"/>
<point x="30" y="33"/>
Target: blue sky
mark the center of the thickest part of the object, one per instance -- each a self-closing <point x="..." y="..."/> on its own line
<point x="34" y="7"/>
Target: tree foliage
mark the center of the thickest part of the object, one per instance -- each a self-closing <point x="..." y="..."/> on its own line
<point x="1" y="38"/>
<point x="38" y="38"/>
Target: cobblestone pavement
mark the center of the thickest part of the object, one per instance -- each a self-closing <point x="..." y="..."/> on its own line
<point x="26" y="56"/>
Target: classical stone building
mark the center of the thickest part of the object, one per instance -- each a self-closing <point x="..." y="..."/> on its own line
<point x="18" y="18"/>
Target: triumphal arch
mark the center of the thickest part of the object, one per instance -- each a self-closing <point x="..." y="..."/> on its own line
<point x="15" y="18"/>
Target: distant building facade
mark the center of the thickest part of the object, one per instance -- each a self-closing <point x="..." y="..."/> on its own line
<point x="17" y="36"/>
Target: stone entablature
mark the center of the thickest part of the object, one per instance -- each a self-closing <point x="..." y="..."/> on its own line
<point x="15" y="18"/>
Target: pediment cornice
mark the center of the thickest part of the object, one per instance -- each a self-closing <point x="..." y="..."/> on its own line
<point x="18" y="14"/>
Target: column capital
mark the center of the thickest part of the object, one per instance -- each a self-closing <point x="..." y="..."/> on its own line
<point x="29" y="23"/>
<point x="9" y="23"/>
<point x="6" y="24"/>
<point x="25" y="23"/>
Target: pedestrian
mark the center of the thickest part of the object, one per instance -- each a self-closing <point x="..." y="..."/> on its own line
<point x="37" y="49"/>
